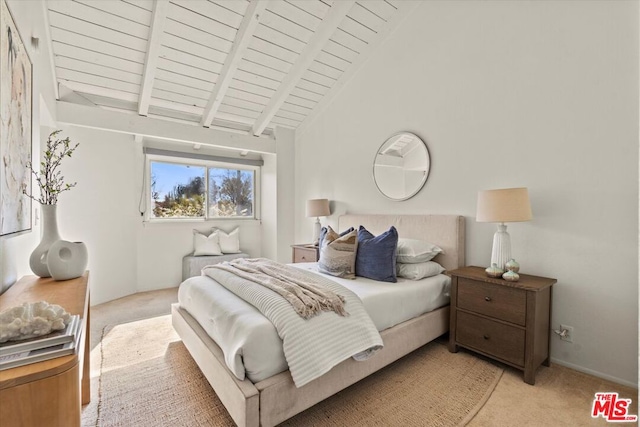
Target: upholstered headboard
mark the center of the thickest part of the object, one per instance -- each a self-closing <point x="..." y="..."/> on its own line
<point x="446" y="231"/>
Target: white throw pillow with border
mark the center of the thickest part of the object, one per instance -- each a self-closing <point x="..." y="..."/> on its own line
<point x="206" y="245"/>
<point x="229" y="242"/>
<point x="419" y="270"/>
<point x="412" y="251"/>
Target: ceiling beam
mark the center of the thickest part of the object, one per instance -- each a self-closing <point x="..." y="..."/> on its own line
<point x="83" y="88"/>
<point x="243" y="37"/>
<point x="49" y="42"/>
<point x="404" y="9"/>
<point x="222" y="120"/>
<point x="327" y="27"/>
<point x="68" y="95"/>
<point x="99" y="91"/>
<point x="153" y="50"/>
<point x="113" y="121"/>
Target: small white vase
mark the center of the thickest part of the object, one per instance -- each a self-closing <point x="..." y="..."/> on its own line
<point x="494" y="271"/>
<point x="512" y="265"/>
<point x="38" y="258"/>
<point x="67" y="260"/>
<point x="511" y="276"/>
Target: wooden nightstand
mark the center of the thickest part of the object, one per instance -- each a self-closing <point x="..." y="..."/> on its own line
<point x="507" y="321"/>
<point x="305" y="253"/>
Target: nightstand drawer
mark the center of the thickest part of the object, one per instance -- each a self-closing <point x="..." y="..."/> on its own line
<point x="304" y="255"/>
<point x="500" y="302"/>
<point x="497" y="339"/>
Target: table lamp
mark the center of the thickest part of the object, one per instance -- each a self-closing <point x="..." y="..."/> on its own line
<point x="317" y="208"/>
<point x="504" y="205"/>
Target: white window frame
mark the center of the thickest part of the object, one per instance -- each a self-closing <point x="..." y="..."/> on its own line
<point x="149" y="158"/>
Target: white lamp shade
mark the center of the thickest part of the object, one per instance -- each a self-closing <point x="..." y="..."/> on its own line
<point x="318" y="207"/>
<point x="505" y="205"/>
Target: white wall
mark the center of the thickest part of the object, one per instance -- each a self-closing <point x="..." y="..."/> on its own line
<point x="269" y="206"/>
<point x="506" y="94"/>
<point x="126" y="255"/>
<point x="29" y="18"/>
<point x="285" y="182"/>
<point x="278" y="217"/>
<point x="101" y="209"/>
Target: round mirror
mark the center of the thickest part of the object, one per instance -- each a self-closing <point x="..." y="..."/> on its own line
<point x="401" y="166"/>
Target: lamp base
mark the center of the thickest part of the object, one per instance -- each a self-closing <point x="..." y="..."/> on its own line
<point x="316" y="232"/>
<point x="501" y="252"/>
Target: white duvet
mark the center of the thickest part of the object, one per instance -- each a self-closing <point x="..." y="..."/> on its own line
<point x="251" y="344"/>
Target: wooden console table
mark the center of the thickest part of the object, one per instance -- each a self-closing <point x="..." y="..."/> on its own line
<point x="48" y="393"/>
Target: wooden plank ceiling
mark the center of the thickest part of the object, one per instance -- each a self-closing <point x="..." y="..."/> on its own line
<point x="230" y="63"/>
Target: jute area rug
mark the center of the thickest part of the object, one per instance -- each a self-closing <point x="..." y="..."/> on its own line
<point x="147" y="378"/>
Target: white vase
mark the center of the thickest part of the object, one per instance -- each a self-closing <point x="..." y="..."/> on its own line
<point x="38" y="258"/>
<point x="67" y="260"/>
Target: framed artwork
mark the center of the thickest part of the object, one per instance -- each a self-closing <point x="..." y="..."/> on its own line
<point x="15" y="128"/>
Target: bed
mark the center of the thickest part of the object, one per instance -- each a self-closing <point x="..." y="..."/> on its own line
<point x="271" y="400"/>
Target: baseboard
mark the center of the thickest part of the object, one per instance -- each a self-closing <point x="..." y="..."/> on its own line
<point x="156" y="287"/>
<point x="595" y="373"/>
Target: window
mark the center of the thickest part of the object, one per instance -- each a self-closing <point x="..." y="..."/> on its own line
<point x="179" y="189"/>
<point x="230" y="192"/>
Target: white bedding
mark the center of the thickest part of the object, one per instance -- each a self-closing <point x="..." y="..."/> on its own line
<point x="312" y="346"/>
<point x="251" y="344"/>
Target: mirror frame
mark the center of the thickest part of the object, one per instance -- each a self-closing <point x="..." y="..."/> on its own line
<point x="424" y="179"/>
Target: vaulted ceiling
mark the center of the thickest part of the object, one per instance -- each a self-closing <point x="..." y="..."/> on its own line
<point x="247" y="65"/>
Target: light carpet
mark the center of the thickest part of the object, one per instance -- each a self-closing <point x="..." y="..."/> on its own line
<point x="148" y="378"/>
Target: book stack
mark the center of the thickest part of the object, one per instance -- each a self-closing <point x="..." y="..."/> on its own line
<point x="56" y="344"/>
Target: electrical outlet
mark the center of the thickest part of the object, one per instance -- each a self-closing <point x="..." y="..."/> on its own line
<point x="568" y="336"/>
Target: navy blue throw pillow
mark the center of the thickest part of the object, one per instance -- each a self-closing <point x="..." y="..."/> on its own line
<point x="376" y="256"/>
<point x="323" y="233"/>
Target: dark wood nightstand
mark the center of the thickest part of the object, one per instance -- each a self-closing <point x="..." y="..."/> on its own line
<point x="305" y="253"/>
<point x="507" y="321"/>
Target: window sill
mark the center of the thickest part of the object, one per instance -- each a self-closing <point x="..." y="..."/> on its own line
<point x="175" y="221"/>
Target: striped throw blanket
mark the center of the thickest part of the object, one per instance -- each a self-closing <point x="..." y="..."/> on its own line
<point x="312" y="345"/>
<point x="305" y="296"/>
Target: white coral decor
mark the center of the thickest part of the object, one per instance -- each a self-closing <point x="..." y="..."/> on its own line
<point x="31" y="320"/>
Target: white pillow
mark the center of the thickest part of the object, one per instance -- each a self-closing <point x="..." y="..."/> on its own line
<point x="411" y="251"/>
<point x="206" y="245"/>
<point x="418" y="271"/>
<point x="229" y="242"/>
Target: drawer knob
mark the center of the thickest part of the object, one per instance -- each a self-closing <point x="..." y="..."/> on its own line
<point x="486" y="337"/>
<point x="304" y="257"/>
<point x="487" y="299"/>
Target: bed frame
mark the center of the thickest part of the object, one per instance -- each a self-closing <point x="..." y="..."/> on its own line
<point x="276" y="399"/>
